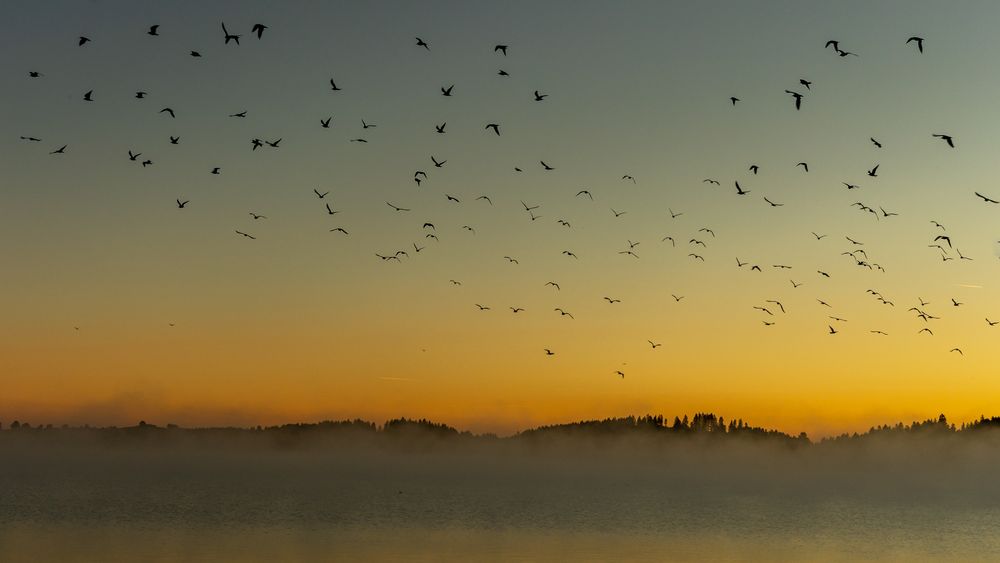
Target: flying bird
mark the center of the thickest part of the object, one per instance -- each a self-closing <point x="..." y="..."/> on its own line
<point x="447" y="91"/>
<point x="986" y="199"/>
<point x="153" y="30"/>
<point x="422" y="43"/>
<point x="540" y="97"/>
<point x="229" y="36"/>
<point x="182" y="204"/>
<point x="946" y="138"/>
<point x="798" y="99"/>
<point x="495" y="127"/>
<point x="501" y="48"/>
<point x="258" y="28"/>
<point x="920" y="42"/>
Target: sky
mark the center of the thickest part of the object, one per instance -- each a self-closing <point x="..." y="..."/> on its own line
<point x="117" y="305"/>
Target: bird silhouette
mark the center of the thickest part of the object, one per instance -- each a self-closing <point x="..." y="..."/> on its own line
<point x="325" y="123"/>
<point x="440" y="128"/>
<point x="229" y="36"/>
<point x="182" y="204"/>
<point x="946" y="138"/>
<point x="422" y="43"/>
<point x="540" y="97"/>
<point x="88" y="97"/>
<point x="874" y="142"/>
<point x="258" y="28"/>
<point x="320" y="195"/>
<point x="986" y="199"/>
<point x="495" y="127"/>
<point x="920" y="42"/>
<point x="334" y="87"/>
<point x="874" y="171"/>
<point x="546" y="166"/>
<point x="447" y="91"/>
<point x="798" y="99"/>
<point x="741" y="191"/>
<point x="501" y="48"/>
<point x="82" y="41"/>
<point x="251" y="237"/>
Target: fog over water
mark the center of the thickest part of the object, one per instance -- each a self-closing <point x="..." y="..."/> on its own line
<point x="239" y="495"/>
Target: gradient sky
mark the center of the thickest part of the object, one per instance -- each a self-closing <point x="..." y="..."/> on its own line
<point x="304" y="324"/>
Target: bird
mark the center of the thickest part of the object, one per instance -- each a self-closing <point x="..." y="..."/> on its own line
<point x="392" y="206"/>
<point x="182" y="204"/>
<point x="741" y="191"/>
<point x="920" y="42"/>
<point x="195" y="54"/>
<point x="501" y="48"/>
<point x="440" y="128"/>
<point x="340" y="230"/>
<point x="153" y="30"/>
<point x="754" y="168"/>
<point x="832" y="330"/>
<point x="422" y="43"/>
<point x="794" y="285"/>
<point x="618" y="213"/>
<point x="258" y="28"/>
<point x="677" y="299"/>
<point x="956" y="303"/>
<point x="621" y="373"/>
<point x="873" y="171"/>
<point x="568" y="253"/>
<point x="711" y="181"/>
<point x="772" y="203"/>
<point x="140" y="94"/>
<point x="798" y="99"/>
<point x="320" y="195"/>
<point x="31" y="139"/>
<point x="516" y="309"/>
<point x="83" y="40"/>
<point x="804" y="165"/>
<point x="546" y="166"/>
<point x="436" y="163"/>
<point x="330" y="211"/>
<point x="851" y="186"/>
<point x="818" y="237"/>
<point x="447" y="91"/>
<point x="957" y="350"/>
<point x="946" y="138"/>
<point x="503" y="72"/>
<point x="986" y="199"/>
<point x="239" y="114"/>
<point x="991" y="323"/>
<point x="553" y="284"/>
<point x="325" y="123"/>
<point x="487" y="198"/>
<point x="257" y="216"/>
<point x="674" y="215"/>
<point x="334" y="87"/>
<point x="887" y="213"/>
<point x="251" y="237"/>
<point x="511" y="260"/>
<point x="88" y="97"/>
<point x="586" y="193"/>
<point x="272" y="144"/>
<point x="540" y="97"/>
<point x="146" y="163"/>
<point x="482" y="307"/>
<point x="612" y="301"/>
<point x="60" y="150"/>
<point x="776" y="302"/>
<point x="697" y="257"/>
<point x="495" y="127"/>
<point x="564" y="313"/>
<point x="229" y="36"/>
<point x="927" y="330"/>
<point x="734" y="99"/>
<point x="133" y="156"/>
<point x="168" y="111"/>
<point x="366" y="125"/>
<point x="35" y="74"/>
<point x="945" y="238"/>
<point x="549" y="352"/>
<point x="874" y="142"/>
<point x="805" y="83"/>
<point x="628" y="177"/>
<point x="654" y="345"/>
<point x="452" y="198"/>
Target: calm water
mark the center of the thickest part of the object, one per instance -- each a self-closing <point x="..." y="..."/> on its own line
<point x="298" y="506"/>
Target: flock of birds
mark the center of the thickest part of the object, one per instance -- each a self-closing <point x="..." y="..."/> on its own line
<point x="855" y="251"/>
